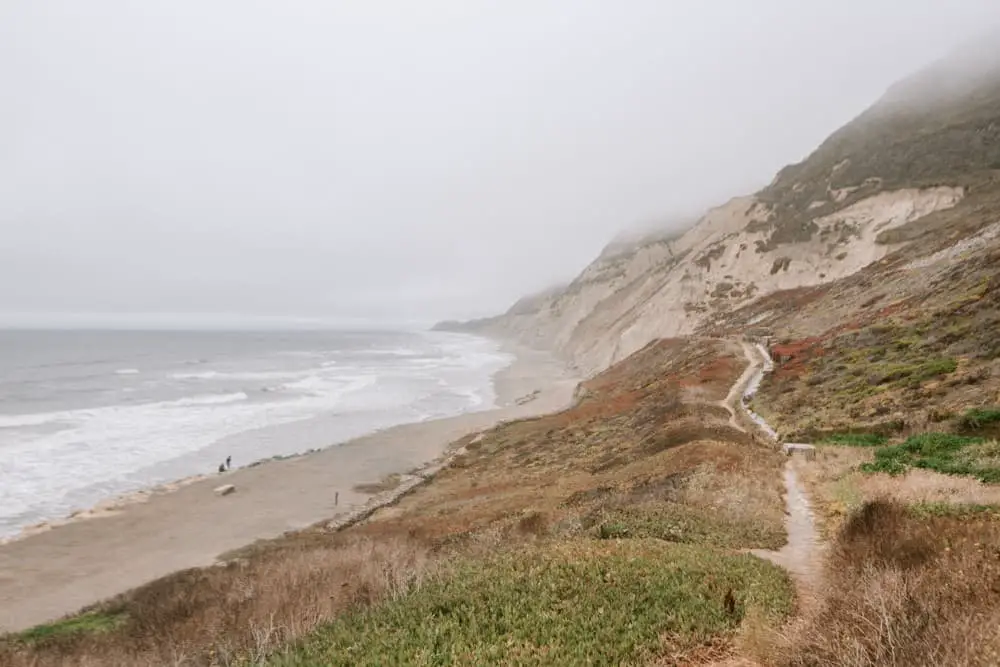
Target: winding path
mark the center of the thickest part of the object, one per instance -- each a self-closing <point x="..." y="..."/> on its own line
<point x="801" y="555"/>
<point x="733" y="401"/>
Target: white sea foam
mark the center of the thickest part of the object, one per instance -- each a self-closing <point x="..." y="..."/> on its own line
<point x="317" y="384"/>
<point x="104" y="445"/>
<point x="92" y="453"/>
<point x="215" y="399"/>
<point x="37" y="419"/>
<point x="127" y="371"/>
<point x="205" y="375"/>
<point x="81" y="416"/>
<point x="244" y="376"/>
<point x="393" y="352"/>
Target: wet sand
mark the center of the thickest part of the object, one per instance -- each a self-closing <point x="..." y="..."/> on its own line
<point x="56" y="571"/>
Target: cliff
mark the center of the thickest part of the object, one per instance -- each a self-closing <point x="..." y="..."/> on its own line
<point x="920" y="158"/>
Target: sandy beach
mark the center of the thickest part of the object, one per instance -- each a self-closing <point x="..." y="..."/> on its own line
<point x="56" y="571"/>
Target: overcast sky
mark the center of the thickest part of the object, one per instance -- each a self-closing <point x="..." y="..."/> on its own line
<point x="400" y="160"/>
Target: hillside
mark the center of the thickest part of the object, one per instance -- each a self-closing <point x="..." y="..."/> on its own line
<point x="923" y="159"/>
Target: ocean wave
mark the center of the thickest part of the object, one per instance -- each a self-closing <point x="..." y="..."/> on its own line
<point x="393" y="352"/>
<point x="127" y="371"/>
<point x="52" y="474"/>
<point x="473" y="395"/>
<point x="243" y="376"/>
<point x="36" y="419"/>
<point x="334" y="387"/>
<point x="85" y="414"/>
<point x="94" y="451"/>
<point x="211" y="399"/>
<point x="204" y="375"/>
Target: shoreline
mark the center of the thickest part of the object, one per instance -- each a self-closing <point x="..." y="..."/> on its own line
<point x="50" y="570"/>
<point x="121" y="501"/>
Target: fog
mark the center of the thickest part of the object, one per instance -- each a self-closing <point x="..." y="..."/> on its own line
<point x="386" y="162"/>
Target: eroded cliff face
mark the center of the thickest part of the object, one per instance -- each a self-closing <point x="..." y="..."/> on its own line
<point x="921" y="165"/>
<point x="729" y="258"/>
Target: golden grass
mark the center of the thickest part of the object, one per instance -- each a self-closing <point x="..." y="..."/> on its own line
<point x="837" y="488"/>
<point x="739" y="496"/>
<point x="927" y="486"/>
<point x="903" y="590"/>
<point x="387" y="483"/>
<point x="237" y="613"/>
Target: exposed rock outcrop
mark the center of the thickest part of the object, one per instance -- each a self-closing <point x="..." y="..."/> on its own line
<point x="669" y="288"/>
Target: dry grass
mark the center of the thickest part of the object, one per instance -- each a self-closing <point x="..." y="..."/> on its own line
<point x="645" y="461"/>
<point x="838" y="489"/>
<point x="387" y="483"/>
<point x="910" y="581"/>
<point x="927" y="486"/>
<point x="905" y="590"/>
<point x="238" y="613"/>
<point x="914" y="580"/>
<point x="740" y="496"/>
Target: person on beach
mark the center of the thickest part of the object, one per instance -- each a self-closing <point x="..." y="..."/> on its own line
<point x="229" y="461"/>
<point x="222" y="467"/>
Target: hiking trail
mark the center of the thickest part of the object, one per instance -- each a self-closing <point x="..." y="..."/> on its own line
<point x="801" y="554"/>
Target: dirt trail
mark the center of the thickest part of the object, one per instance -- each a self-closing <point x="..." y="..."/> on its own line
<point x="801" y="555"/>
<point x="733" y="401"/>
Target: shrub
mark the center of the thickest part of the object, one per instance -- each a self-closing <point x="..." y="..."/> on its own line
<point x="578" y="603"/>
<point x="856" y="439"/>
<point x="611" y="531"/>
<point x="904" y="588"/>
<point x="942" y="452"/>
<point x="977" y="418"/>
<point x="914" y="373"/>
<point x="94" y="622"/>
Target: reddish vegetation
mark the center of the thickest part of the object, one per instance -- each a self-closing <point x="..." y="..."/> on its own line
<point x="719" y="369"/>
<point x="893" y="309"/>
<point x="616" y="404"/>
<point x="625" y="371"/>
<point x="800" y="297"/>
<point x="650" y="371"/>
<point x="722" y="456"/>
<point x="793" y="356"/>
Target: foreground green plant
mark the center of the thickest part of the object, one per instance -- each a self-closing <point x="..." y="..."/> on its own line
<point x="941" y="452"/>
<point x="977" y="418"/>
<point x="582" y="602"/>
<point x="87" y="623"/>
<point x="688" y="524"/>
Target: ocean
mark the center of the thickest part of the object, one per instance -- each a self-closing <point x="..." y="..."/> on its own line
<point x="88" y="415"/>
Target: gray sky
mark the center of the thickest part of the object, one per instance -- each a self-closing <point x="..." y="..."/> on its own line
<point x="399" y="160"/>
